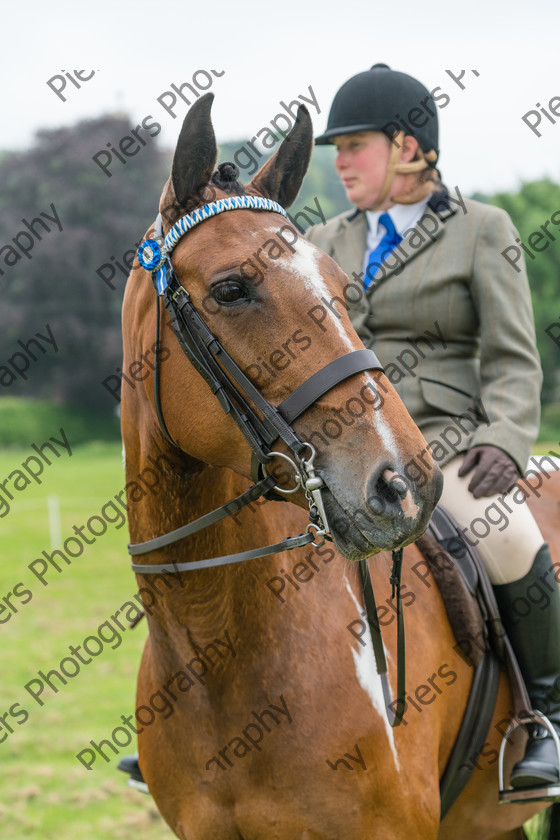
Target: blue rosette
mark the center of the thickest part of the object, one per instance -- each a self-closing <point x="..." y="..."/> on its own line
<point x="150" y="256"/>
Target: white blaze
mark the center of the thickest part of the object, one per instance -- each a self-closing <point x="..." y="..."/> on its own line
<point x="303" y="263"/>
<point x="369" y="679"/>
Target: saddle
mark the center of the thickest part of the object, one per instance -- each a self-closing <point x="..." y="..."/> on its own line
<point x="476" y="624"/>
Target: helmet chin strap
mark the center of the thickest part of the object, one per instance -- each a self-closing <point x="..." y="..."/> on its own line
<point x="395" y="167"/>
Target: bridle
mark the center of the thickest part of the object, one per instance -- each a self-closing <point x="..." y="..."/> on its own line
<point x="261" y="427"/>
<point x="237" y="395"/>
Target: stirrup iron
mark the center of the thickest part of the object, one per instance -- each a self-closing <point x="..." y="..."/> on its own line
<point x="540" y="793"/>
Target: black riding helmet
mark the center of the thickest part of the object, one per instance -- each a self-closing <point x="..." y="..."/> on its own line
<point x="381" y="99"/>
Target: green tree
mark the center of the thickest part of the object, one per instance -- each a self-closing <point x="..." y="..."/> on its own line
<point x="101" y="217"/>
<point x="530" y="208"/>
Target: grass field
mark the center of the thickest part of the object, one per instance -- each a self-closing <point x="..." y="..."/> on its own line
<point x="44" y="791"/>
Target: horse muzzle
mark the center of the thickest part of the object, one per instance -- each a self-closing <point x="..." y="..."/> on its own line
<point x="392" y="512"/>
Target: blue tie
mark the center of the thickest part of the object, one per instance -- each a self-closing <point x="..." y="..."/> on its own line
<point x="382" y="251"/>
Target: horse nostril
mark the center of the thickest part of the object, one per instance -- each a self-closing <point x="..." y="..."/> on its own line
<point x="389" y="489"/>
<point x="395" y="482"/>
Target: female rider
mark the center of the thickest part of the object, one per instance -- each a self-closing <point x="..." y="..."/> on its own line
<point x="451" y="320"/>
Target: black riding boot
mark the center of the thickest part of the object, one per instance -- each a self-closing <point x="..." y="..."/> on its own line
<point x="129" y="764"/>
<point x="530" y="611"/>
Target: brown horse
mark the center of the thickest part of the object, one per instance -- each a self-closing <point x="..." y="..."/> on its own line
<point x="260" y="714"/>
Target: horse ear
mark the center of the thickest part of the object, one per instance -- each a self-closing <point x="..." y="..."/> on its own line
<point x="196" y="153"/>
<point x="281" y="176"/>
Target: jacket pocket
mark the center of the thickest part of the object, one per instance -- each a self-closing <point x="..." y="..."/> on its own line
<point x="447" y="398"/>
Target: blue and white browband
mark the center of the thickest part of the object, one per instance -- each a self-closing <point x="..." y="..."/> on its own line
<point x="152" y="253"/>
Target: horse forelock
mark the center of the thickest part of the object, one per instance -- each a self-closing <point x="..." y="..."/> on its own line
<point x="224" y="178"/>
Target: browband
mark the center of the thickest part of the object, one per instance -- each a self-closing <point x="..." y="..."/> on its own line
<point x="152" y="253"/>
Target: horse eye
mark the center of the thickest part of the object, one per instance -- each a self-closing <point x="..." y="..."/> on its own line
<point x="229" y="292"/>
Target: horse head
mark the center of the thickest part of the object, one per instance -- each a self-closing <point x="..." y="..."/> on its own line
<point x="259" y="287"/>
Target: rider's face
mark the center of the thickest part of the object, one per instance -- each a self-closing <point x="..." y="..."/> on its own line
<point x="361" y="164"/>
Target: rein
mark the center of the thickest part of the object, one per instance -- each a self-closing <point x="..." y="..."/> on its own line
<point x="235" y="395"/>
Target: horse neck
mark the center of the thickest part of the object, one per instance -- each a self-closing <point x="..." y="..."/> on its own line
<point x="198" y="605"/>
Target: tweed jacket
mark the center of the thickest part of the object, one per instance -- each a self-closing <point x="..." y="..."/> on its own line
<point x="452" y="322"/>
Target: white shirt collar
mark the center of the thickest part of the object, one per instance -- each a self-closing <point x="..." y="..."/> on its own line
<point x="403" y="216"/>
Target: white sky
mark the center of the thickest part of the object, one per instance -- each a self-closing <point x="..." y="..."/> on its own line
<point x="273" y="51"/>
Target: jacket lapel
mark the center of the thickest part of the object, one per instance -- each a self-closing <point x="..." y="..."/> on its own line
<point x="349" y="242"/>
<point x="418" y="241"/>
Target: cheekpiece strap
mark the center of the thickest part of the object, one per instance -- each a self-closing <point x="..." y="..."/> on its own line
<point x="154" y="252"/>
